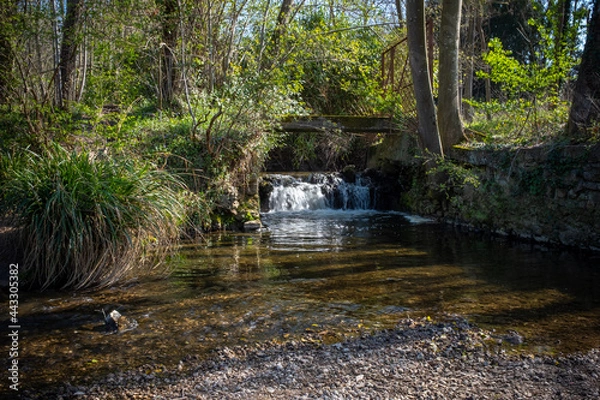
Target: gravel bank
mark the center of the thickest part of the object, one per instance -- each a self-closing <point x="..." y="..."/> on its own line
<point x="417" y="360"/>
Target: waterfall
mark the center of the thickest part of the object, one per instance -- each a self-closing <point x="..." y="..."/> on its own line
<point x="317" y="192"/>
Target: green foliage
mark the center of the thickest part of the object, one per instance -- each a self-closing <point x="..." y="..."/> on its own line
<point x="13" y="129"/>
<point x="329" y="56"/>
<point x="227" y="132"/>
<point x="198" y="209"/>
<point x="455" y="177"/>
<point x="86" y="220"/>
<point x="532" y="88"/>
<point x="305" y="147"/>
<point x="560" y="36"/>
<point x="337" y="65"/>
<point x="546" y="58"/>
<point x="116" y="83"/>
<point x="516" y="123"/>
<point x="327" y="150"/>
<point x="504" y="69"/>
<point x="124" y="59"/>
<point x="518" y="79"/>
<point x="35" y="125"/>
<point x="533" y="181"/>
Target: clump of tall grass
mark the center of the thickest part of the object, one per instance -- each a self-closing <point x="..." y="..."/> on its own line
<point x="87" y="221"/>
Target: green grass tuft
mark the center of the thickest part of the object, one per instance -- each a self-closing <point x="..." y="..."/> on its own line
<point x="85" y="220"/>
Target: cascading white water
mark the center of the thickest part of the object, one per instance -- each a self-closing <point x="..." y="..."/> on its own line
<point x="297" y="196"/>
<point x="318" y="192"/>
<point x="354" y="196"/>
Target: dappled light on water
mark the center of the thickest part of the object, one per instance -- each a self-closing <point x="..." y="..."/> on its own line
<point x="320" y="276"/>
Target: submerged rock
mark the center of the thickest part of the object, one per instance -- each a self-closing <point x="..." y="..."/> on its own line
<point x="514" y="338"/>
<point x="115" y="322"/>
<point x="251" y="226"/>
<point x="110" y="321"/>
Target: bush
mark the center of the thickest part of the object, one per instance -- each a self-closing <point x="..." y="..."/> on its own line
<point x="88" y="221"/>
<point x="518" y="123"/>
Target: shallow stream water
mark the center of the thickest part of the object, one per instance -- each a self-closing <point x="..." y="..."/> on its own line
<point x="319" y="275"/>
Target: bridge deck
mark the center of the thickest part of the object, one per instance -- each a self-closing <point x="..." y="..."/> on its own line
<point x="344" y="123"/>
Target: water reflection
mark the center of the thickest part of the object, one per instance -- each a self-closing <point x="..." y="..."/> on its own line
<point x="329" y="272"/>
<point x="372" y="261"/>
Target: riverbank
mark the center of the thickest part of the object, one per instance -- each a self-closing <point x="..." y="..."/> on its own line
<point x="547" y="194"/>
<point x="419" y="359"/>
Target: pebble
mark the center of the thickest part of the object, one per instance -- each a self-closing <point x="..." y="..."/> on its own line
<point x="418" y="359"/>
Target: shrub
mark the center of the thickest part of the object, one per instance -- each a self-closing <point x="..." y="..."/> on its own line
<point x="85" y="220"/>
<point x="514" y="123"/>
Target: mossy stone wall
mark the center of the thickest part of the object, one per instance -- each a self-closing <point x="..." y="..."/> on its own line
<point x="549" y="193"/>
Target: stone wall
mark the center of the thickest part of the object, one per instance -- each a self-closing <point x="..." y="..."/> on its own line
<point x="549" y="194"/>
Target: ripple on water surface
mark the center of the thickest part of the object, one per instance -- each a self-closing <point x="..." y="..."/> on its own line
<point x="328" y="273"/>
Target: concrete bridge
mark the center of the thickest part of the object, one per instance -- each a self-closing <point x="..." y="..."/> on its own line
<point x="343" y="123"/>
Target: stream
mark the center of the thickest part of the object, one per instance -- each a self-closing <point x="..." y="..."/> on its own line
<point x="327" y="267"/>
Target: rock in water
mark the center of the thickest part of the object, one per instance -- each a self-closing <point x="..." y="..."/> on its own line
<point x="252" y="226"/>
<point x="111" y="321"/>
<point x="115" y="322"/>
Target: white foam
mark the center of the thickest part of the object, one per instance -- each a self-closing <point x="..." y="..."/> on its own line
<point x="417" y="219"/>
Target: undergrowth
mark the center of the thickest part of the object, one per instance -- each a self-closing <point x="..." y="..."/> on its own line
<point x="516" y="124"/>
<point x="85" y="220"/>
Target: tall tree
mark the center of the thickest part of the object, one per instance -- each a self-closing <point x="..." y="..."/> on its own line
<point x="565" y="41"/>
<point x="509" y="22"/>
<point x="282" y="20"/>
<point x="449" y="120"/>
<point x="468" y="48"/>
<point x="8" y="10"/>
<point x="280" y="28"/>
<point x="417" y="46"/>
<point x="563" y="12"/>
<point x="400" y="13"/>
<point x="483" y="49"/>
<point x="585" y="109"/>
<point x="68" y="50"/>
<point x="168" y="72"/>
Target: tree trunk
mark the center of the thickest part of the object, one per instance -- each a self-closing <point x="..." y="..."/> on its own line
<point x="469" y="72"/>
<point x="563" y="14"/>
<point x="417" y="47"/>
<point x="68" y="50"/>
<point x="282" y="20"/>
<point x="449" y="121"/>
<point x="280" y="28"/>
<point x="400" y="13"/>
<point x="168" y="81"/>
<point x="561" y="37"/>
<point x="56" y="16"/>
<point x="486" y="68"/>
<point x="430" y="45"/>
<point x="585" y="109"/>
<point x="560" y="24"/>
